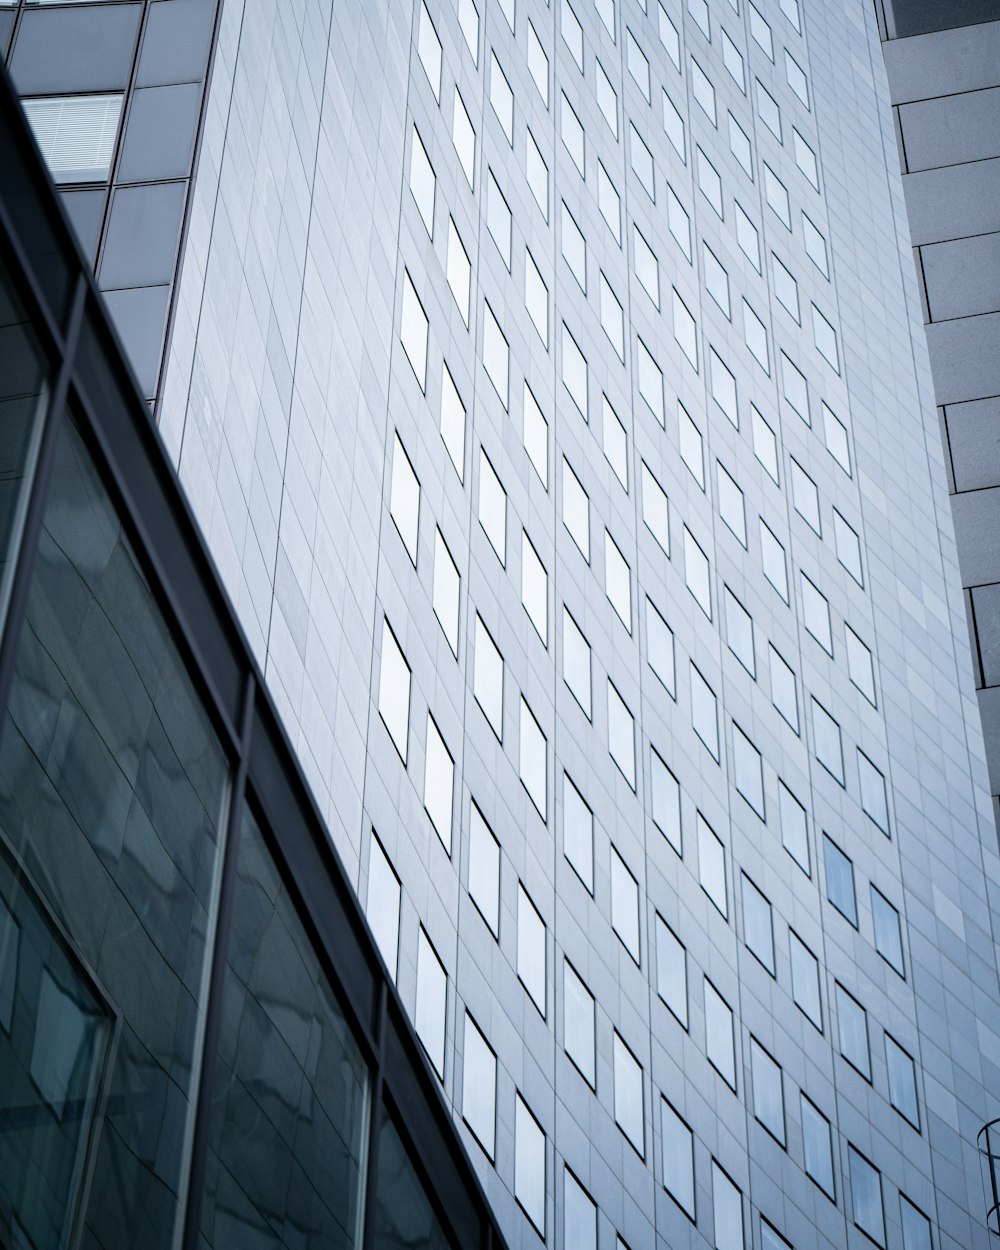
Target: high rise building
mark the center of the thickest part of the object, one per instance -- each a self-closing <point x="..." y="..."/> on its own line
<point x="550" y="384"/>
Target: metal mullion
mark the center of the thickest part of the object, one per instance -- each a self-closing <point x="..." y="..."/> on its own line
<point x="188" y="1236"/>
<point x="39" y="477"/>
<point x="375" y="1107"/>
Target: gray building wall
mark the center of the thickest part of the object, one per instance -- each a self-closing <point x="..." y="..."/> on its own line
<point x="944" y="86"/>
<point x="286" y="388"/>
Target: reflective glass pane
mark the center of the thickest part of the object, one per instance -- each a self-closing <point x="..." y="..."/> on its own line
<point x="112" y="793"/>
<point x="404" y="1218"/>
<point x="289" y="1122"/>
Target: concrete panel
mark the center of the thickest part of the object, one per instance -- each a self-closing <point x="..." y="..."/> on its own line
<point x="952" y="203"/>
<point x="965" y="360"/>
<point x="951" y="129"/>
<point x="989" y="707"/>
<point x="945" y="63"/>
<point x="977" y="524"/>
<point x="974" y="439"/>
<point x="986" y="615"/>
<point x="962" y="277"/>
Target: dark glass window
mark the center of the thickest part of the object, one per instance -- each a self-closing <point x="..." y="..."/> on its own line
<point x="920" y="17"/>
<point x="289" y="1125"/>
<point x="404" y="1218"/>
<point x="22" y="377"/>
<point x="112" y="791"/>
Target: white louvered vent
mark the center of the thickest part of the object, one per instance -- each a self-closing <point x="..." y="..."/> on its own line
<point x="76" y="134"/>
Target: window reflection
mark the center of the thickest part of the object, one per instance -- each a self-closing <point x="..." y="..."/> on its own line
<point x="404" y="1218"/>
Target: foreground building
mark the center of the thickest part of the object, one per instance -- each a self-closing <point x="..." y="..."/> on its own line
<point x="551" y="387"/>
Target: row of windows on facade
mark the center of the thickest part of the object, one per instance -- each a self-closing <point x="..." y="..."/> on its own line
<point x="479" y="1073"/>
<point x="646" y="266"/>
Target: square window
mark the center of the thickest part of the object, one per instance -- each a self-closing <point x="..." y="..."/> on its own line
<point x="538" y="64"/>
<point x="731" y="504"/>
<point x="768" y="1095"/>
<point x="748" y="775"/>
<point x="612" y="318"/>
<point x="671" y="971"/>
<point x="697" y="573"/>
<point x="827" y="744"/>
<point x="615" y="442"/>
<point x="678" y="1158"/>
<point x="502" y="98"/>
<point x="579" y="1037"/>
<point x="536" y="436"/>
<point x="576" y="662"/>
<point x="902" y="1081"/>
<point x="650" y="381"/>
<point x="773" y="562"/>
<point x="479" y="1086"/>
<point x="885" y="922"/>
<point x="574" y="247"/>
<point x="572" y="133"/>
<point x="453" y="422"/>
<point x="678" y="221"/>
<point x="805" y="980"/>
<point x="666" y="802"/>
<point x="579" y="1215"/>
<point x="446" y="591"/>
<point x="572" y="32"/>
<point x="783" y="688"/>
<point x="534" y="761"/>
<point x="655" y="513"/>
<point x="429" y="51"/>
<point x="624" y="905"/>
<point x="719" y="1035"/>
<point x="607" y="100"/>
<point x="464" y="138"/>
<point x="394" y="690"/>
<point x="576" y="510"/>
<point x="716" y="279"/>
<point x="747" y="237"/>
<point x="758" y="928"/>
<point x="617" y="581"/>
<point x="817" y="1147"/>
<point x="646" y="268"/>
<point x="703" y="91"/>
<point x="621" y="735"/>
<point x="712" y="866"/>
<point x="529" y="1165"/>
<point x="574" y="371"/>
<point x="422" y="181"/>
<point x="496" y="354"/>
<point x="484" y="870"/>
<point x="840" y="881"/>
<point x="816" y="614"/>
<point x="703" y="713"/>
<point x="431" y="1002"/>
<point x="459" y="271"/>
<point x="673" y="125"/>
<point x="383" y="905"/>
<point x="487" y="680"/>
<point x="492" y="507"/>
<point x="755" y="337"/>
<point x="537" y="174"/>
<point x="578" y="833"/>
<point x="794" y="831"/>
<point x="852" y="1027"/>
<point x="660" y="648"/>
<point x="404" y="498"/>
<point x="413" y="331"/>
<point x="765" y="445"/>
<point x="530" y="948"/>
<point x="609" y="203"/>
<point x="439" y="783"/>
<point x="534" y="588"/>
<point x="628" y="1096"/>
<point x="866" y="1197"/>
<point x="739" y="632"/>
<point x="498" y="218"/>
<point x="862" y="675"/>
